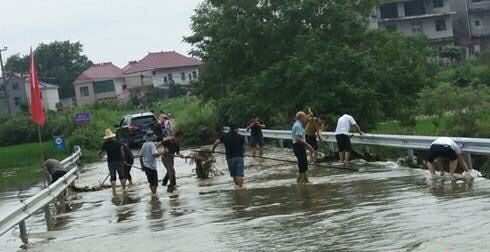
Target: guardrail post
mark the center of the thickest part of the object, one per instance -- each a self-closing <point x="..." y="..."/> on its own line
<point x="281" y="144"/>
<point x="23" y="232"/>
<point x="411" y="156"/>
<point x="469" y="161"/>
<point x="47" y="216"/>
<point x="246" y="139"/>
<point x="331" y="147"/>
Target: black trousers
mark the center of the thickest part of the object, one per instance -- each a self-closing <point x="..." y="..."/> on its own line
<point x="168" y="163"/>
<point x="300" y="153"/>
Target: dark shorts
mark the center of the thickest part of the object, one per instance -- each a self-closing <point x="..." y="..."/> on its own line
<point x="151" y="176"/>
<point x="441" y="151"/>
<point x="256" y="140"/>
<point x="236" y="167"/>
<point x="343" y="142"/>
<point x="300" y="153"/>
<point x="311" y="140"/>
<point x="116" y="167"/>
<point x="57" y="175"/>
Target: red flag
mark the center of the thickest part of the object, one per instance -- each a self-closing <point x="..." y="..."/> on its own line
<point x="36" y="107"/>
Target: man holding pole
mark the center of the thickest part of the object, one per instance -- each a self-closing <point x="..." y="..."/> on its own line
<point x="234" y="146"/>
<point x="171" y="149"/>
<point x="313" y="131"/>
<point x="148" y="160"/>
<point x="115" y="159"/>
<point x="299" y="147"/>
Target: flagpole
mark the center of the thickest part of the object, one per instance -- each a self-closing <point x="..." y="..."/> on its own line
<point x="42" y="153"/>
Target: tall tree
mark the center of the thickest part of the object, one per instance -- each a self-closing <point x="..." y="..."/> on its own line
<point x="271" y="57"/>
<point x="59" y="62"/>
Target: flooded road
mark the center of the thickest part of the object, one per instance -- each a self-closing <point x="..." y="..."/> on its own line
<point x="383" y="207"/>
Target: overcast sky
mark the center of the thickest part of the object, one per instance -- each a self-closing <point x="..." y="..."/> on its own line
<point x="111" y="30"/>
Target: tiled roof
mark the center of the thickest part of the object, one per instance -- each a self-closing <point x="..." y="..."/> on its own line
<point x="161" y="60"/>
<point x="45" y="85"/>
<point x="103" y="71"/>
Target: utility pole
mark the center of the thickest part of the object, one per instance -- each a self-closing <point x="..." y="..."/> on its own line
<point x="4" y="80"/>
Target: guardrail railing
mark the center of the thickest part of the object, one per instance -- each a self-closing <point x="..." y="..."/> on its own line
<point x="477" y="146"/>
<point x="30" y="206"/>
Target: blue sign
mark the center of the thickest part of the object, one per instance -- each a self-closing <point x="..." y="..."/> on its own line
<point x="59" y="142"/>
<point x="82" y="118"/>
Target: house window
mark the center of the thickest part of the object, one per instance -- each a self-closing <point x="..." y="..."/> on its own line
<point x="190" y="77"/>
<point x="194" y="75"/>
<point x="17" y="101"/>
<point x="391" y="28"/>
<point x="84" y="91"/>
<point x="125" y="87"/>
<point x="417" y="28"/>
<point x="154" y="72"/>
<point x="389" y="10"/>
<point x="170" y="77"/>
<point x="440" y="25"/>
<point x="2" y="88"/>
<point x="414" y="8"/>
<point x="104" y="86"/>
<point x="15" y="86"/>
<point x="438" y="3"/>
<point x="182" y="76"/>
<point x="477" y="22"/>
<point x="164" y="79"/>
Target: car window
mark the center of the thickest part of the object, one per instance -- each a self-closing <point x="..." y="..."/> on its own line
<point x="125" y="122"/>
<point x="143" y="121"/>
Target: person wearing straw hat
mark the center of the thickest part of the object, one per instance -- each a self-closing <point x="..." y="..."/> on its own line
<point x="115" y="159"/>
<point x="148" y="160"/>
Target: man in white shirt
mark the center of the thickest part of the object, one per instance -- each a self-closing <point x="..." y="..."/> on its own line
<point x="148" y="160"/>
<point x="344" y="124"/>
<point x="446" y="148"/>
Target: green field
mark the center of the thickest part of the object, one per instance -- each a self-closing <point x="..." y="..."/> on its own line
<point x="20" y="165"/>
<point x="424" y="127"/>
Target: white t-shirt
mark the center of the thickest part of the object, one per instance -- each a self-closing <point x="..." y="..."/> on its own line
<point x="147" y="151"/>
<point x="343" y="124"/>
<point x="448" y="141"/>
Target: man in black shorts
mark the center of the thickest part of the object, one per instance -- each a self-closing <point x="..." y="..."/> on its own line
<point x="344" y="124"/>
<point x="234" y="154"/>
<point x="256" y="137"/>
<point x="446" y="148"/>
<point x="313" y="130"/>
<point x="115" y="159"/>
<point x="148" y="160"/>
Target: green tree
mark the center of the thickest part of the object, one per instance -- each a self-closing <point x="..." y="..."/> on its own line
<point x="463" y="110"/>
<point x="274" y="57"/>
<point x="59" y="62"/>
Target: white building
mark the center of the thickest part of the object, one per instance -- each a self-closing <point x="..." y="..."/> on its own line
<point x="430" y="17"/>
<point x="99" y="82"/>
<point x="49" y="95"/>
<point x="161" y="69"/>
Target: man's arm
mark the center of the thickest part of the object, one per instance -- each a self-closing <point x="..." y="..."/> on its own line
<point x="154" y="151"/>
<point x="215" y="144"/>
<point x="141" y="162"/>
<point x="101" y="152"/>
<point x="261" y="124"/>
<point x="123" y="155"/>
<point x="299" y="140"/>
<point x="462" y="161"/>
<point x="250" y="125"/>
<point x="358" y="129"/>
<point x="46" y="174"/>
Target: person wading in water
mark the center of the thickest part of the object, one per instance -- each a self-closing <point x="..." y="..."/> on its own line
<point x="148" y="160"/>
<point x="344" y="124"/>
<point x="234" y="146"/>
<point x="115" y="159"/>
<point x="299" y="147"/>
<point x="171" y="149"/>
<point x="256" y="137"/>
<point x="313" y="131"/>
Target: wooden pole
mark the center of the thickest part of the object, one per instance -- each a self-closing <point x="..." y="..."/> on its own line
<point x="41" y="152"/>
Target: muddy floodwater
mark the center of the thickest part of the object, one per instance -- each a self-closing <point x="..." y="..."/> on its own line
<point x="382" y="207"/>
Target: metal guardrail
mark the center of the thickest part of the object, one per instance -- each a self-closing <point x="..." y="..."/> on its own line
<point x="41" y="199"/>
<point x="479" y="146"/>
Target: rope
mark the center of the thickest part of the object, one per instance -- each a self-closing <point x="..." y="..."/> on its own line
<point x="294" y="162"/>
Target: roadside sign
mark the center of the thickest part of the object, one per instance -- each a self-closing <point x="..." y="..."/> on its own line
<point x="59" y="142"/>
<point x="82" y="118"/>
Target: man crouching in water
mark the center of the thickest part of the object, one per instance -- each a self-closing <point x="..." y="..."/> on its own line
<point x="234" y="154"/>
<point x="446" y="148"/>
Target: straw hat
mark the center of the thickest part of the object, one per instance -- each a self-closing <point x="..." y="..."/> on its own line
<point x="109" y="134"/>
